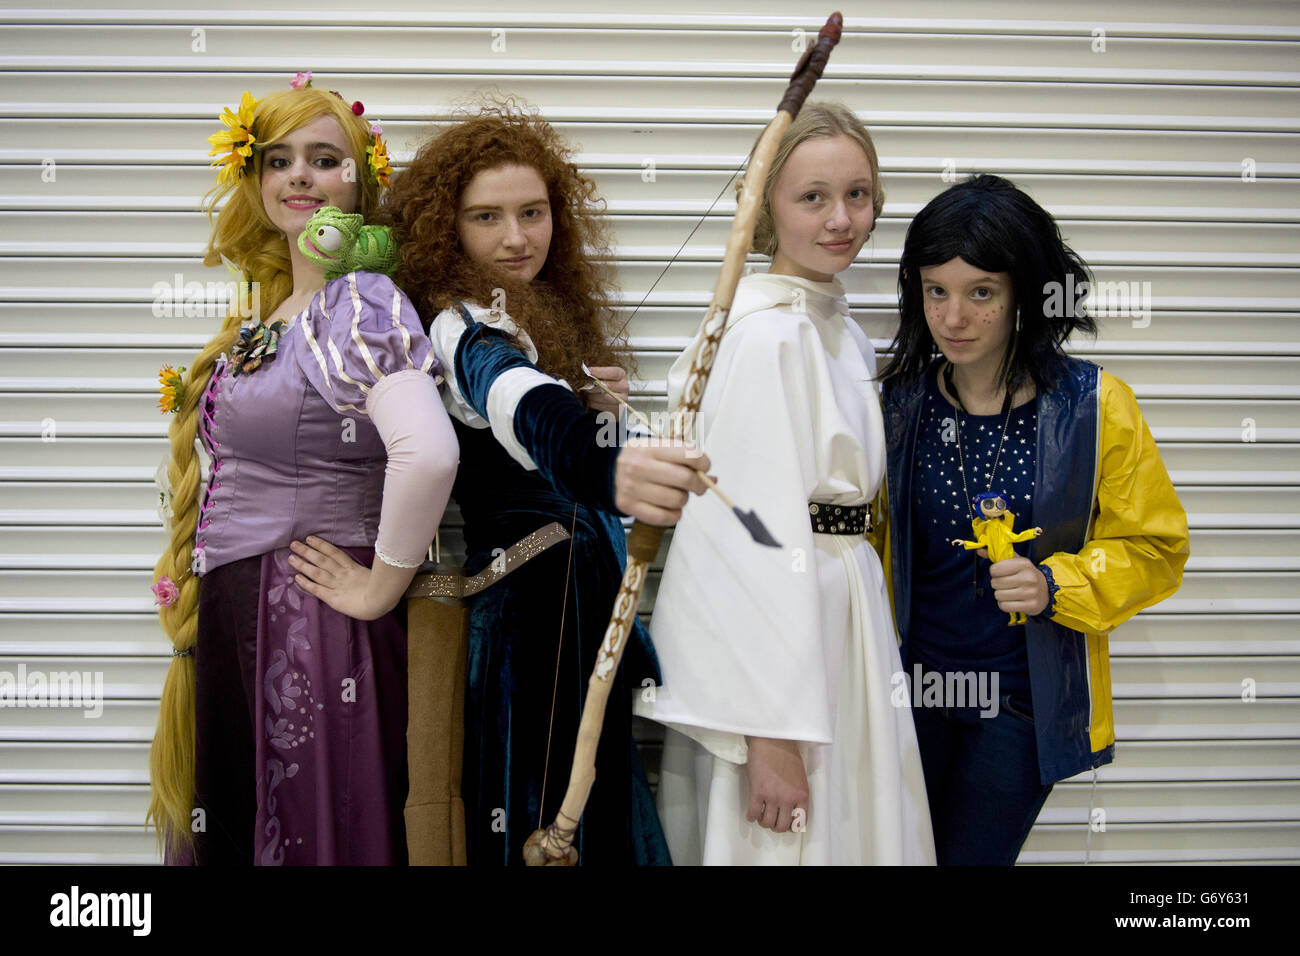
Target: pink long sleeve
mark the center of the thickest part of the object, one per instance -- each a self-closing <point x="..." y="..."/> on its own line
<point x="422" y="457"/>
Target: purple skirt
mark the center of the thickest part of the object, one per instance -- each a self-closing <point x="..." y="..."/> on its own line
<point x="301" y="721"/>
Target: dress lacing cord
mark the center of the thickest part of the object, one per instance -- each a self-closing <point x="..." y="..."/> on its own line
<point x="206" y="422"/>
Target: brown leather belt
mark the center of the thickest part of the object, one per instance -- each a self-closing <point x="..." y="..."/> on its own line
<point x="453" y="585"/>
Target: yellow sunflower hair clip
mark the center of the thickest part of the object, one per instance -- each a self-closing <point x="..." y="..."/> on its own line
<point x="233" y="146"/>
<point x="171" y="388"/>
<point x="381" y="171"/>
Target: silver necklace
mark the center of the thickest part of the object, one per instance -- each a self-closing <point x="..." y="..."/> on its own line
<point x="961" y="461"/>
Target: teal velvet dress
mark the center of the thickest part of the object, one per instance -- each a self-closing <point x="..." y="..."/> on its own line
<point x="534" y="635"/>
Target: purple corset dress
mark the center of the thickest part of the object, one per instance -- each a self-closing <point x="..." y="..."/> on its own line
<point x="301" y="710"/>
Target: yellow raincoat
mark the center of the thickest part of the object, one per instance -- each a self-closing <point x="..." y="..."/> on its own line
<point x="1114" y="542"/>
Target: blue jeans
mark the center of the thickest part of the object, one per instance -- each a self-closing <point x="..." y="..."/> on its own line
<point x="981" y="774"/>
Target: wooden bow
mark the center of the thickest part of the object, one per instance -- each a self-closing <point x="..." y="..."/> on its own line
<point x="553" y="846"/>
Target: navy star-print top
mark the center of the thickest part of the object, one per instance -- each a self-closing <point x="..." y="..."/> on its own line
<point x="953" y="630"/>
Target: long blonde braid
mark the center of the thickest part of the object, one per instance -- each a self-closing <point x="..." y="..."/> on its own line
<point x="171" y="758"/>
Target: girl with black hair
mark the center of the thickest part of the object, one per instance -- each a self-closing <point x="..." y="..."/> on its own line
<point x="982" y="405"/>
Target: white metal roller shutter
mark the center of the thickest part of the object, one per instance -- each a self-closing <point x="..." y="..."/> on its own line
<point x="1170" y="157"/>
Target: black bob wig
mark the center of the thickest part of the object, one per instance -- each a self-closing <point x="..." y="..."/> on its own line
<point x="994" y="226"/>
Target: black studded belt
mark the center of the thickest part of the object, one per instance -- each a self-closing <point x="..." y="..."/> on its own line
<point x="839" y="519"/>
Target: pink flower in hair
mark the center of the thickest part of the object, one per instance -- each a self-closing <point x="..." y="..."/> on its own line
<point x="165" y="592"/>
<point x="301" y="80"/>
<point x="376" y="129"/>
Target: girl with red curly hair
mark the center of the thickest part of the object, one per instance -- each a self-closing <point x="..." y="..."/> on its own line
<point x="503" y="250"/>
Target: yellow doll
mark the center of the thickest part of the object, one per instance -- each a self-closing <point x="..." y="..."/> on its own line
<point x="994" y="532"/>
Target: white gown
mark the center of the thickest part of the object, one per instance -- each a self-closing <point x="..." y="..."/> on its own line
<point x="795" y="642"/>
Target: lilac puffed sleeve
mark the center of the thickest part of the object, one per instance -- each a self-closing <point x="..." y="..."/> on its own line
<point x="367" y="353"/>
<point x="359" y="328"/>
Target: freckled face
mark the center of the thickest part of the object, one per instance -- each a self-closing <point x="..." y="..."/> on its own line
<point x="970" y="312"/>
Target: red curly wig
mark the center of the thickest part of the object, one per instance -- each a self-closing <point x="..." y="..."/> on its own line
<point x="568" y="308"/>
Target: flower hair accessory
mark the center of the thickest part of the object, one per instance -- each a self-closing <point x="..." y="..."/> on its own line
<point x="171" y="388"/>
<point x="381" y="171"/>
<point x="234" y="145"/>
<point x="165" y="592"/>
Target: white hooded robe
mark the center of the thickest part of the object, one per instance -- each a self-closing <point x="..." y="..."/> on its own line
<point x="795" y="642"/>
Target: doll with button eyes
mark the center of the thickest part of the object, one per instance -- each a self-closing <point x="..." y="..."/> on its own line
<point x="994" y="532"/>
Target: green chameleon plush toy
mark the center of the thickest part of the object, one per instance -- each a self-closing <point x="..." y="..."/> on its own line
<point x="341" y="243"/>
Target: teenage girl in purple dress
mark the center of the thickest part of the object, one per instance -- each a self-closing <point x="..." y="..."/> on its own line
<point x="281" y="735"/>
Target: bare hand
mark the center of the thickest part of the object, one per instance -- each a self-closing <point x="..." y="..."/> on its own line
<point x="615" y="379"/>
<point x="332" y="576"/>
<point x="778" y="784"/>
<point x="1018" y="585"/>
<point x="652" y="479"/>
